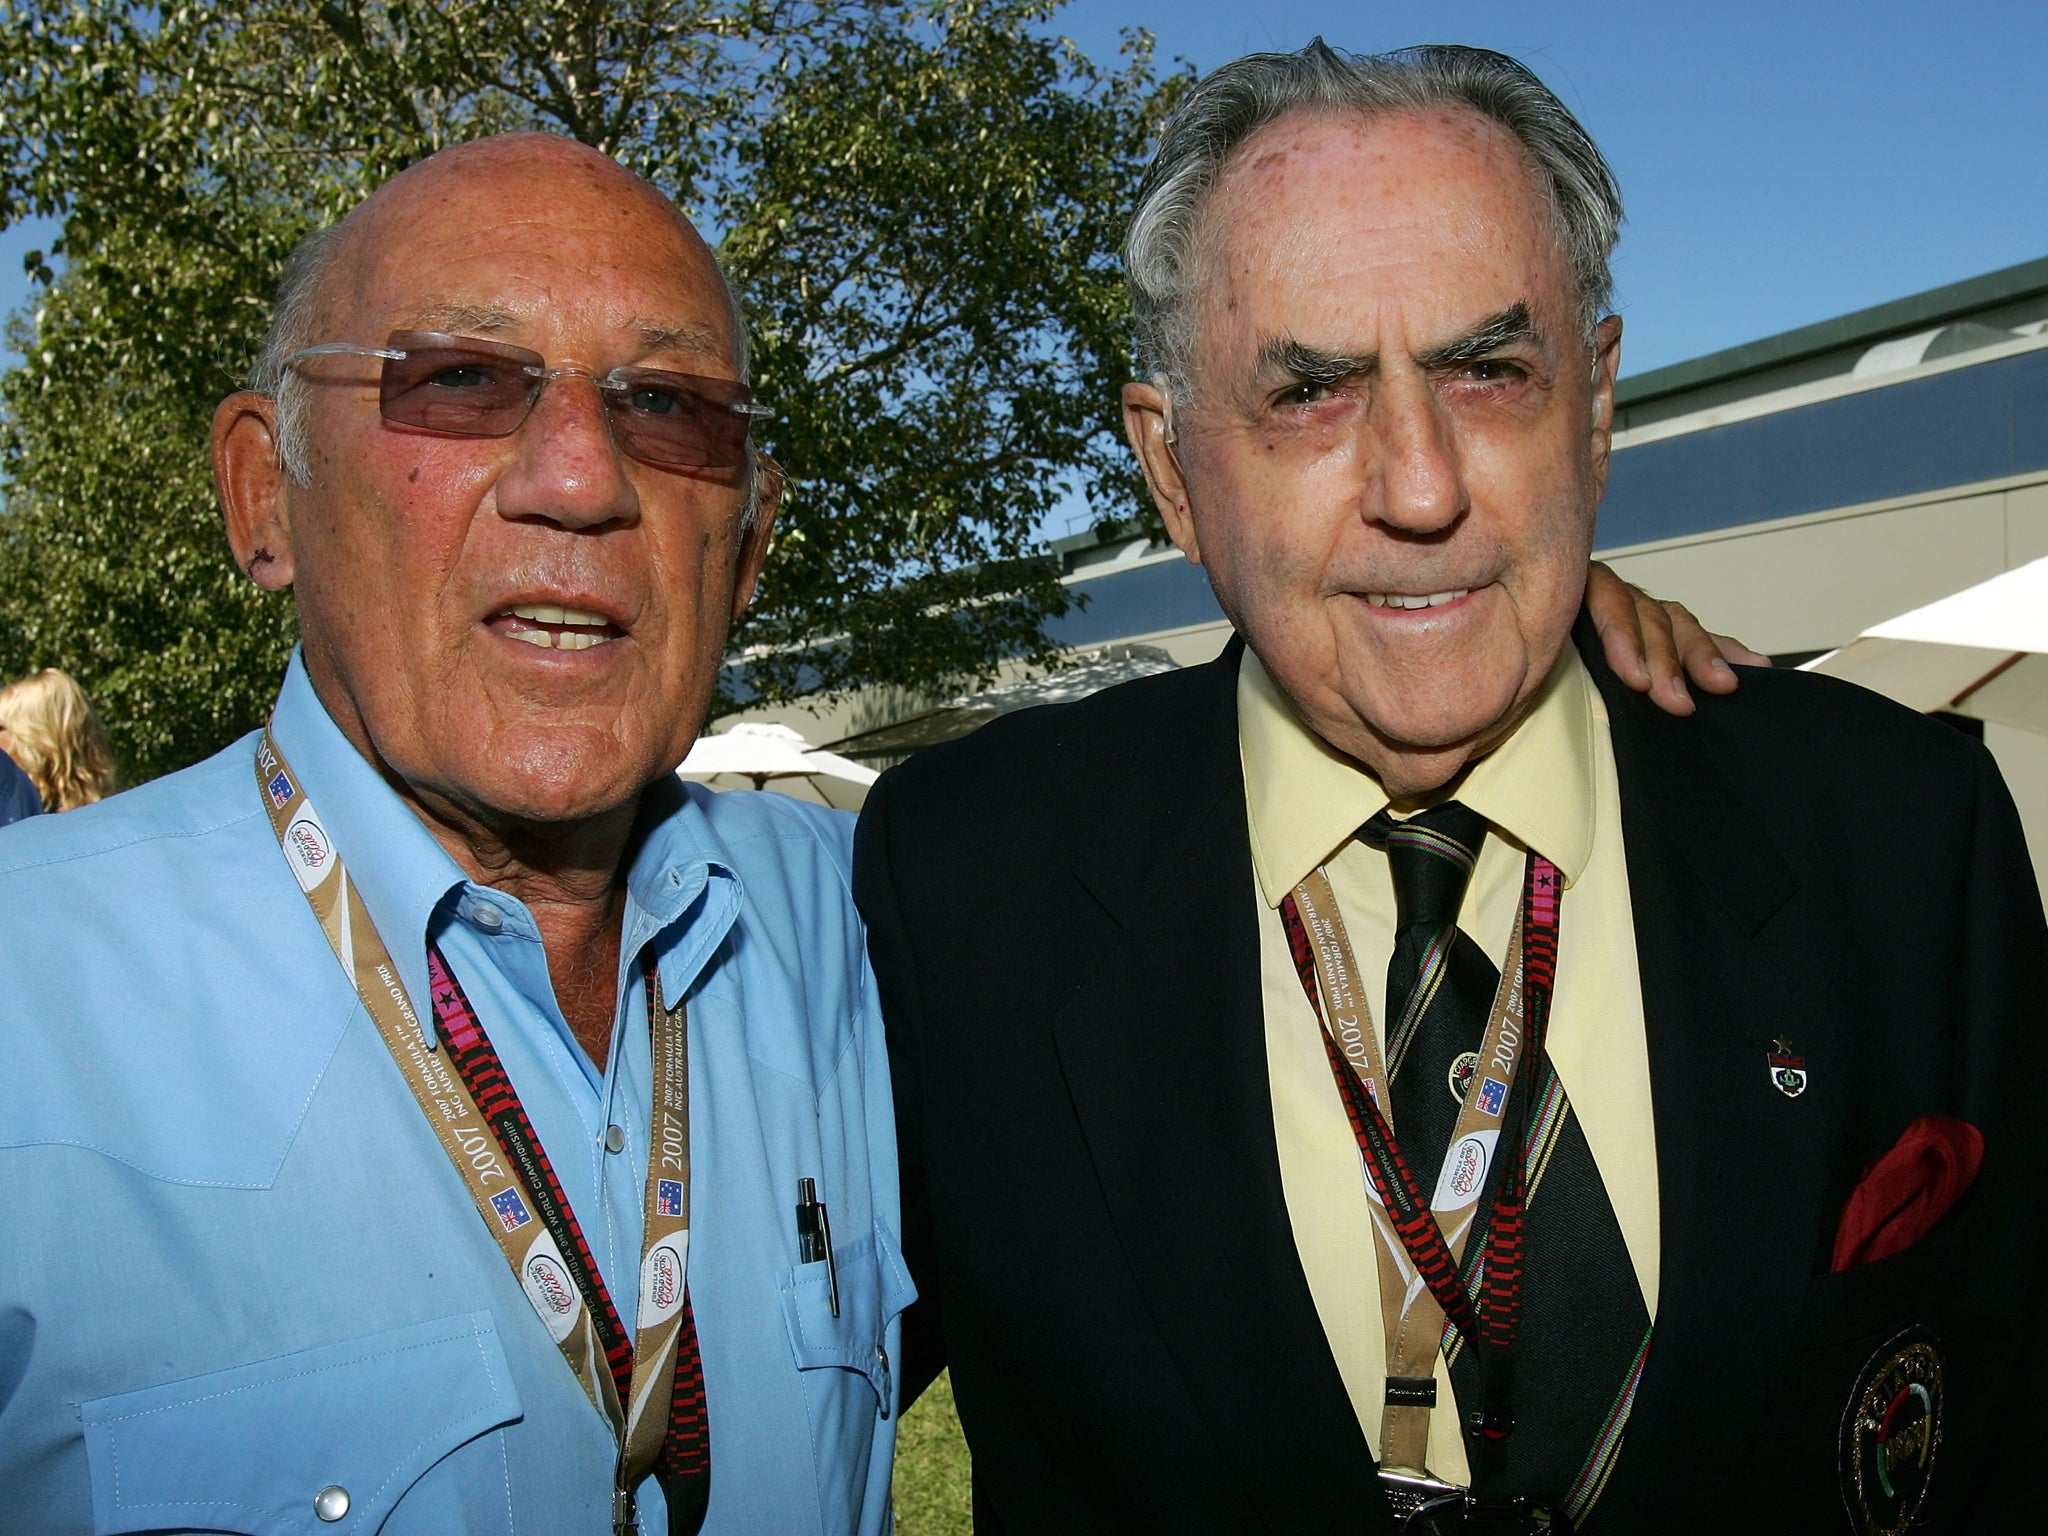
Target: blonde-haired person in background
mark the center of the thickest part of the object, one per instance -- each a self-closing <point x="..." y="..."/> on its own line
<point x="49" y="727"/>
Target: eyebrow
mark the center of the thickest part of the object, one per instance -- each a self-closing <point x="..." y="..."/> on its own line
<point x="701" y="340"/>
<point x="453" y="317"/>
<point x="1316" y="365"/>
<point x="1510" y="326"/>
<point x="1313" y="365"/>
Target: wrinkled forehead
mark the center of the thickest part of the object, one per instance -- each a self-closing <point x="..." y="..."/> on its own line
<point x="1331" y="198"/>
<point x="548" y="255"/>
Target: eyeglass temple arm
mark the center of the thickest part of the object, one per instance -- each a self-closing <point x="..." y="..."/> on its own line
<point x="345" y="349"/>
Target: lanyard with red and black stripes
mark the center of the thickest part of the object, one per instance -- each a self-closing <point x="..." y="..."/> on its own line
<point x="1493" y="1117"/>
<point x="683" y="1464"/>
<point x="651" y="1391"/>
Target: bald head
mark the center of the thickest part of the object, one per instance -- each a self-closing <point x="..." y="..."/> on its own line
<point x="508" y="162"/>
<point x="542" y="179"/>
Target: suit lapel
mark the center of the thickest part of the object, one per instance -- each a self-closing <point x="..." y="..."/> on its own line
<point x="1738" y="1186"/>
<point x="1164" y="1056"/>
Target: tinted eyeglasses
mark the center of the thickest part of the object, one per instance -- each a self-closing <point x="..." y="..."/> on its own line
<point x="463" y="387"/>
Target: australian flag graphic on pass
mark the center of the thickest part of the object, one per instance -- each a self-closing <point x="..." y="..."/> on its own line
<point x="668" y="1197"/>
<point x="511" y="1209"/>
<point x="280" y="790"/>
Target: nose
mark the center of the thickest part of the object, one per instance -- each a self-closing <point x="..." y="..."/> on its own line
<point x="565" y="467"/>
<point x="1421" y="485"/>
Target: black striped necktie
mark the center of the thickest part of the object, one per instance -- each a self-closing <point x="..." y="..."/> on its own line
<point x="1439" y="982"/>
<point x="1585" y="1327"/>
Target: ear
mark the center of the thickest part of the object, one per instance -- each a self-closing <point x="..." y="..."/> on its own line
<point x="1147" y="423"/>
<point x="756" y="541"/>
<point x="1606" y="368"/>
<point x="252" y="488"/>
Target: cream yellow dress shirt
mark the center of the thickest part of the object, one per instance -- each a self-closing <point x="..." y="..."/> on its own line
<point x="1551" y="786"/>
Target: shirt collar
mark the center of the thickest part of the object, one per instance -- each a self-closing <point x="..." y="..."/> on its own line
<point x="682" y="890"/>
<point x="1304" y="798"/>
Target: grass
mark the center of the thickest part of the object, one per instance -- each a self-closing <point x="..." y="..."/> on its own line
<point x="932" y="1492"/>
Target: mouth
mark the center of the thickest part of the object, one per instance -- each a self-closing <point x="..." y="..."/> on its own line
<point x="1415" y="599"/>
<point x="554" y="628"/>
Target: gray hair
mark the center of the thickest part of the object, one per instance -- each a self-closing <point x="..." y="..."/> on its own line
<point x="295" y="312"/>
<point x="1163" y="249"/>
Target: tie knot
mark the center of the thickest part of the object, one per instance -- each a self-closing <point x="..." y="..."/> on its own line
<point x="1431" y="856"/>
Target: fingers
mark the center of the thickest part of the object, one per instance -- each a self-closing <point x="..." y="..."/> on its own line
<point x="1736" y="654"/>
<point x="1616" y="608"/>
<point x="1636" y="633"/>
<point x="1669" y="650"/>
<point x="1657" y="647"/>
<point x="1696" y="652"/>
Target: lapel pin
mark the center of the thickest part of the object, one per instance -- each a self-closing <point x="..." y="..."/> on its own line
<point x="1788" y="1071"/>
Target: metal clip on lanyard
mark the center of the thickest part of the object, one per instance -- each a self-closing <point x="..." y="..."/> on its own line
<point x="476" y="1116"/>
<point x="1454" y="1511"/>
<point x="1421" y="1243"/>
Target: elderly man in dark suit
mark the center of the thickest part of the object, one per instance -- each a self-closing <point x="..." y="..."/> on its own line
<point x="1396" y="1077"/>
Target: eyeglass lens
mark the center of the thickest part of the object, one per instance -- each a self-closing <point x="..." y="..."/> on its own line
<point x="469" y="388"/>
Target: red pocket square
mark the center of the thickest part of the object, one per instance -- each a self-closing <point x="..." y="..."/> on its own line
<point x="1904" y="1193"/>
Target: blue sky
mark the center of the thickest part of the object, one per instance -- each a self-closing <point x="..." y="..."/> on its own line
<point x="1781" y="163"/>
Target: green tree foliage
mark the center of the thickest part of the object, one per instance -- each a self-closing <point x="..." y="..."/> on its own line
<point x="919" y="198"/>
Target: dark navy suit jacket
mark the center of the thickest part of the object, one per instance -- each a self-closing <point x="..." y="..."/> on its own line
<point x="1062" y="922"/>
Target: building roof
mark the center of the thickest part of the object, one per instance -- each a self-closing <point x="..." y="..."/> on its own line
<point x="1827" y="346"/>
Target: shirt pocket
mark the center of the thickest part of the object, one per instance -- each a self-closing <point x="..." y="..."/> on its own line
<point x="322" y="1440"/>
<point x="848" y="1376"/>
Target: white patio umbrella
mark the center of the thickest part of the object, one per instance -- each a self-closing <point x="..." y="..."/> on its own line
<point x="1981" y="652"/>
<point x="753" y="755"/>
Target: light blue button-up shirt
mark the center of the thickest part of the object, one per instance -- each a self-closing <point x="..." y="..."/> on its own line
<point x="237" y="1273"/>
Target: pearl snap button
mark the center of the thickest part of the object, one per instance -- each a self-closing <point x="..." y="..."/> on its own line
<point x="331" y="1502"/>
<point x="615" y="1138"/>
<point x="484" y="915"/>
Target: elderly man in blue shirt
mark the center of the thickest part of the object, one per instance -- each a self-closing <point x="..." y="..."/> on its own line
<point x="427" y="1115"/>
